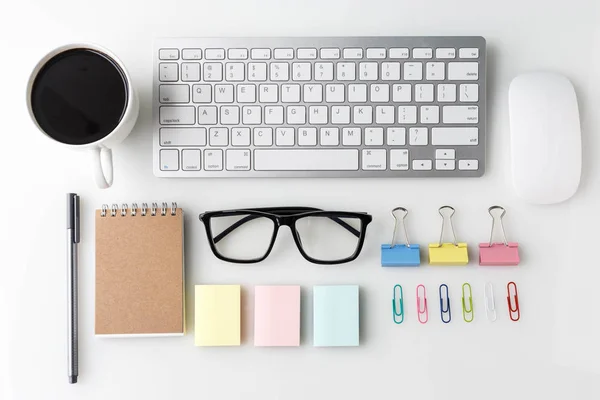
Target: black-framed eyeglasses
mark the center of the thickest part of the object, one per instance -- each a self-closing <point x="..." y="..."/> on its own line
<point x="323" y="237"/>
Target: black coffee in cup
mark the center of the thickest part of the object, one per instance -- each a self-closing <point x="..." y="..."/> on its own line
<point x="79" y="96"/>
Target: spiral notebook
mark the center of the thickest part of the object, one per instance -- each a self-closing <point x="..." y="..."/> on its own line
<point x="139" y="271"/>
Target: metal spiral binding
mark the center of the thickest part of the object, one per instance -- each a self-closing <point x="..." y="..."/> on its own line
<point x="114" y="209"/>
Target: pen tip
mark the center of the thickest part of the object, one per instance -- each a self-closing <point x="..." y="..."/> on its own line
<point x="72" y="379"/>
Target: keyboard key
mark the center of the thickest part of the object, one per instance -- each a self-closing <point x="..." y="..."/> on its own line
<point x="168" y="54"/>
<point x="237" y="54"/>
<point x="317" y="115"/>
<point x="380" y="93"/>
<point x="468" y="165"/>
<point x="260" y="54"/>
<point x="455" y="136"/>
<point x="430" y="114"/>
<point x="207" y="115"/>
<point x="284" y="136"/>
<point x="174" y="94"/>
<point x="469" y="92"/>
<point x="246" y="93"/>
<point x="363" y="115"/>
<point x="177" y="115"/>
<point x="306" y="54"/>
<point x="268" y="93"/>
<point x="418" y="136"/>
<point x="407" y="115"/>
<point x="257" y="72"/>
<point x="329" y="136"/>
<point x="202" y="93"/>
<point x="396" y="136"/>
<point x="307" y="136"/>
<point x="468" y="53"/>
<point x="446" y="93"/>
<point x="251" y="115"/>
<point x="213" y="160"/>
<point x="306" y="160"/>
<point x="323" y="71"/>
<point x="399" y="53"/>
<point x="190" y="72"/>
<point x="445" y="154"/>
<point x="353" y="53"/>
<point x="263" y="136"/>
<point x="421" y="165"/>
<point x="413" y="71"/>
<point x="279" y="71"/>
<point x="240" y="136"/>
<point x="235" y="72"/>
<point x="346" y="71"/>
<point x="463" y="71"/>
<point x="390" y="71"/>
<point x="230" y="115"/>
<point x="402" y="93"/>
<point x="301" y="72"/>
<point x="424" y="93"/>
<point x="218" y="136"/>
<point x="340" y="115"/>
<point x="461" y="114"/>
<point x="373" y="136"/>
<point x="422" y="53"/>
<point x="435" y="71"/>
<point x="182" y="137"/>
<point x="224" y="93"/>
<point x="330" y="54"/>
<point x="296" y="115"/>
<point x="351" y="136"/>
<point x="357" y="93"/>
<point x="274" y="115"/>
<point x="376" y="53"/>
<point x="283" y="54"/>
<point x="190" y="160"/>
<point x="192" y="54"/>
<point x="399" y="160"/>
<point x="384" y="114"/>
<point x="334" y="93"/>
<point x="238" y="160"/>
<point x="168" y="72"/>
<point x="169" y="160"/>
<point x="290" y="93"/>
<point x="313" y="93"/>
<point x="445" y="53"/>
<point x="368" y="71"/>
<point x="374" y="160"/>
<point x="213" y="72"/>
<point x="445" y="165"/>
<point x="214" y="54"/>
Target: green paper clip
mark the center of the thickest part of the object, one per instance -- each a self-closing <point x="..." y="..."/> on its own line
<point x="398" y="316"/>
<point x="468" y="312"/>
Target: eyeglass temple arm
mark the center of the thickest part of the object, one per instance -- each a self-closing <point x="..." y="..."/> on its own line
<point x="249" y="218"/>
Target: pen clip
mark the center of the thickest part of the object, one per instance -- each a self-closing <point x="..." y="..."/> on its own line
<point x="76" y="226"/>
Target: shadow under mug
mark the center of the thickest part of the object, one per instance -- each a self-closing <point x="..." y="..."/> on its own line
<point x="81" y="96"/>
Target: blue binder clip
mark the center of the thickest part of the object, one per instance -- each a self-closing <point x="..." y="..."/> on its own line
<point x="400" y="255"/>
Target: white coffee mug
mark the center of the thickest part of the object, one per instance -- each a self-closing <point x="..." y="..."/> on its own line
<point x="75" y="99"/>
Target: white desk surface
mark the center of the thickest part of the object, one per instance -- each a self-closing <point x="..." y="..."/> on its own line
<point x="553" y="352"/>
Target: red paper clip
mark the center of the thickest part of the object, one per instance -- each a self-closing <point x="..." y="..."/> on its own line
<point x="513" y="311"/>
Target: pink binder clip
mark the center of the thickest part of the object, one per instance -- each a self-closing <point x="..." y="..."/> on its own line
<point x="499" y="254"/>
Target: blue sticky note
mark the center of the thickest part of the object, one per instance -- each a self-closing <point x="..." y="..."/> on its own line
<point x="400" y="255"/>
<point x="335" y="313"/>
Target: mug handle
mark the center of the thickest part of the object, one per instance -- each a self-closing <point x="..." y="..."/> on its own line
<point x="102" y="166"/>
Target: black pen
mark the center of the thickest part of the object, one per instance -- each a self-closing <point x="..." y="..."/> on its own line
<point x="73" y="236"/>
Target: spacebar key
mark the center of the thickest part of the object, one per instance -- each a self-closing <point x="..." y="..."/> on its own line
<point x="306" y="160"/>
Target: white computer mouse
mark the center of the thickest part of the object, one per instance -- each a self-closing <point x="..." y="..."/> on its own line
<point x="545" y="137"/>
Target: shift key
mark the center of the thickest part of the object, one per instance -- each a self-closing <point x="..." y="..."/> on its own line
<point x="182" y="137"/>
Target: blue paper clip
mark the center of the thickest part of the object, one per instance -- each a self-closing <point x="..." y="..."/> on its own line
<point x="400" y="255"/>
<point x="447" y="310"/>
<point x="398" y="311"/>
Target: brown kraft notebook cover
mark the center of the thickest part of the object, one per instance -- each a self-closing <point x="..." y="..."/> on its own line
<point x="139" y="272"/>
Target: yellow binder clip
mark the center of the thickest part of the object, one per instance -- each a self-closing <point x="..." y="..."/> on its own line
<point x="448" y="253"/>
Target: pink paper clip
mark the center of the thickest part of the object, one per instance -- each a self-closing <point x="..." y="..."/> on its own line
<point x="499" y="254"/>
<point x="424" y="311"/>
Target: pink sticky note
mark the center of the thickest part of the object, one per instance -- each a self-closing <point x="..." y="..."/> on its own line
<point x="277" y="316"/>
<point x="499" y="254"/>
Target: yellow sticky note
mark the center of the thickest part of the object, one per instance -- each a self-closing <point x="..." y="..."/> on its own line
<point x="217" y="315"/>
<point x="448" y="254"/>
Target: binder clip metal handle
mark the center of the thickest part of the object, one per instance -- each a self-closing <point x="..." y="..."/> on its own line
<point x="405" y="213"/>
<point x="449" y="217"/>
<point x="498" y="218"/>
<point x="400" y="255"/>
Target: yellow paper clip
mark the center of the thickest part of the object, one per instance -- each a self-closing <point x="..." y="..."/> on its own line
<point x="454" y="253"/>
